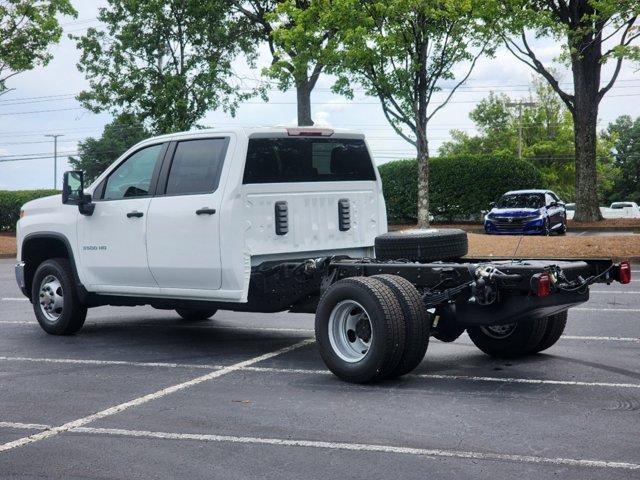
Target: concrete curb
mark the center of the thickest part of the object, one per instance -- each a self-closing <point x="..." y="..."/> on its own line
<point x="7" y="255"/>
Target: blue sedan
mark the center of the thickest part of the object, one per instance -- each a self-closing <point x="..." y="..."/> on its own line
<point x="527" y="212"/>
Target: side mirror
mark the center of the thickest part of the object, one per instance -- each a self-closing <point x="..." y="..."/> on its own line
<point x="73" y="192"/>
<point x="553" y="204"/>
<point x="492" y="205"/>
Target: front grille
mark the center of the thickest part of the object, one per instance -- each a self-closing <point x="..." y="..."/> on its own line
<point x="512" y="223"/>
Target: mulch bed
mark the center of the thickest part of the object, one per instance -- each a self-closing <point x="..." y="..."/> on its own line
<point x="618" y="247"/>
<point x="7" y="245"/>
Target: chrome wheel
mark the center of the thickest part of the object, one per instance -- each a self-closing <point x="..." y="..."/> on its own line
<point x="499" y="331"/>
<point x="350" y="331"/>
<point x="51" y="298"/>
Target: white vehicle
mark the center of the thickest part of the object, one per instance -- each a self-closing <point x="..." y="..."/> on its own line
<point x="623" y="210"/>
<point x="276" y="219"/>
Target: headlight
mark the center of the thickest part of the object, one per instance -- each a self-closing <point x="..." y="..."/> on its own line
<point x="488" y="216"/>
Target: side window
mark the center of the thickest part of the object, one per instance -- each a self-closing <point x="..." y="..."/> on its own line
<point x="548" y="199"/>
<point x="196" y="166"/>
<point x="133" y="177"/>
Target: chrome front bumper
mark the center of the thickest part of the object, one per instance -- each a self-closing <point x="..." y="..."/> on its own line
<point x="19" y="269"/>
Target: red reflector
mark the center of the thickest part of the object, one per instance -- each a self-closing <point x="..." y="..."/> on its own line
<point x="624" y="273"/>
<point x="544" y="285"/>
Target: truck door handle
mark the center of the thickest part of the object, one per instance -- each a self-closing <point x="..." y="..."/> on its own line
<point x="135" y="214"/>
<point x="206" y="211"/>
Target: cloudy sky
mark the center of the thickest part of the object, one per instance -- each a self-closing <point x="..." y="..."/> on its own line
<point x="42" y="103"/>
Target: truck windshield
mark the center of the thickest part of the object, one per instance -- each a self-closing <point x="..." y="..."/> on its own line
<point x="304" y="159"/>
<point x="521" y="200"/>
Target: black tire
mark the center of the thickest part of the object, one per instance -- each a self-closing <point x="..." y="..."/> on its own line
<point x="563" y="229"/>
<point x="195" y="315"/>
<point x="422" y="245"/>
<point x="417" y="323"/>
<point x="387" y="328"/>
<point x="547" y="227"/>
<point x="523" y="339"/>
<point x="72" y="314"/>
<point x="552" y="333"/>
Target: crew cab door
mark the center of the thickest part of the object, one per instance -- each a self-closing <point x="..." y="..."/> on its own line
<point x="111" y="242"/>
<point x="183" y="241"/>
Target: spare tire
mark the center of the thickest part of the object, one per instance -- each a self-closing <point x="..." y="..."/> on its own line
<point x="422" y="245"/>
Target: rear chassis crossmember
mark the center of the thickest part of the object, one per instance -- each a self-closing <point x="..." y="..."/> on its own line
<point x="473" y="291"/>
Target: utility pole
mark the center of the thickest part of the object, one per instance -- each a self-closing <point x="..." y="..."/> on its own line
<point x="55" y="158"/>
<point x="519" y="105"/>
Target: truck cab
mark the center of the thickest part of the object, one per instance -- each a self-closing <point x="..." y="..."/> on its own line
<point x="187" y="215"/>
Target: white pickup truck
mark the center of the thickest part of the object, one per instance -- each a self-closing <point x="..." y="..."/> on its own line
<point x="277" y="219"/>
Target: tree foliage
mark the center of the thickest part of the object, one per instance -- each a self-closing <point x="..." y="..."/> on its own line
<point x="404" y="53"/>
<point x="27" y="29"/>
<point x="299" y="44"/>
<point x="547" y="139"/>
<point x="167" y="61"/>
<point x="455" y="190"/>
<point x="96" y="154"/>
<point x="624" y="135"/>
<point x="592" y="33"/>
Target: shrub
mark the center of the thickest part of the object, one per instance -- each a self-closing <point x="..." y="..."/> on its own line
<point x="12" y="200"/>
<point x="459" y="188"/>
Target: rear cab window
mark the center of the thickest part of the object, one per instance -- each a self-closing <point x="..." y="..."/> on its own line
<point x="307" y="159"/>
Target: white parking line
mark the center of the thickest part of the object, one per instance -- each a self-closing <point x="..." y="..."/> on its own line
<point x="586" y="309"/>
<point x="617" y="292"/>
<point x="361" y="447"/>
<point x="9" y="299"/>
<point x="80" y="361"/>
<point x="424" y="452"/>
<point x="534" y="381"/>
<point x="24" y="426"/>
<point x="147" y="398"/>
<point x="602" y="339"/>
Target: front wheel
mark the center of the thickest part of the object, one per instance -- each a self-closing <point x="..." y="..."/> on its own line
<point x="55" y="299"/>
<point x="509" y="340"/>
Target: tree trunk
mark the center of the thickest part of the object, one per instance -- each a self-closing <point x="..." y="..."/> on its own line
<point x="303" y="94"/>
<point x="423" y="181"/>
<point x="586" y="68"/>
<point x="586" y="182"/>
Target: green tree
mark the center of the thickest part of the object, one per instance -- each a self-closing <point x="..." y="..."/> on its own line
<point x="27" y="29"/>
<point x="547" y="137"/>
<point x="592" y="32"/>
<point x="404" y="52"/>
<point x="624" y="135"/>
<point x="298" y="44"/>
<point x="167" y="61"/>
<point x="96" y="154"/>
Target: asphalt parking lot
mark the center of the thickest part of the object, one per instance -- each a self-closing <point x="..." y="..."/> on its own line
<point x="140" y="393"/>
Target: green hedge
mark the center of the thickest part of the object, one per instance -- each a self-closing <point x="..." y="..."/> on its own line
<point x="458" y="187"/>
<point x="12" y="200"/>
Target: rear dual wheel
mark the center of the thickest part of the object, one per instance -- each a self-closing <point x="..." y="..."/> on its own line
<point x="371" y="328"/>
<point x="521" y="338"/>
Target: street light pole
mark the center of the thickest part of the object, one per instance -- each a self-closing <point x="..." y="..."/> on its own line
<point x="520" y="105"/>
<point x="55" y="158"/>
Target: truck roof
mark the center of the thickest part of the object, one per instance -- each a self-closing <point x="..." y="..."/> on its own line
<point x="273" y="131"/>
<point x="511" y="192"/>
